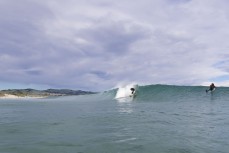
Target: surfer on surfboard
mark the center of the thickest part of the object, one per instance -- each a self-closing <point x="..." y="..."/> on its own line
<point x="211" y="88"/>
<point x="132" y="90"/>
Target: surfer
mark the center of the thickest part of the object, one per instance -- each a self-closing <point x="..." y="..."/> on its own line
<point x="211" y="87"/>
<point x="132" y="90"/>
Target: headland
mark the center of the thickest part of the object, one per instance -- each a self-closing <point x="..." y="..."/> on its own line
<point x="33" y="93"/>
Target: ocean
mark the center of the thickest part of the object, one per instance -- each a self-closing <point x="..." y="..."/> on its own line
<point x="159" y="119"/>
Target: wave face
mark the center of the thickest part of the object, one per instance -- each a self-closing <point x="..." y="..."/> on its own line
<point x="160" y="93"/>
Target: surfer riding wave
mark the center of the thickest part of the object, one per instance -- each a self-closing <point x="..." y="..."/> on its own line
<point x="211" y="87"/>
<point x="132" y="90"/>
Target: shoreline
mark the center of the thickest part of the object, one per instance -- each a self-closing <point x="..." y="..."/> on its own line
<point x="10" y="96"/>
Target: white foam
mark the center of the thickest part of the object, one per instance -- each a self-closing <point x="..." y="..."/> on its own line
<point x="124" y="140"/>
<point x="125" y="91"/>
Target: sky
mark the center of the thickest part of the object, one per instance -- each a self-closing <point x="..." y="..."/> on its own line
<point x="98" y="45"/>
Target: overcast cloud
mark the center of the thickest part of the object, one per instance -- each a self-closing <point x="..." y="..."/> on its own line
<point x="100" y="44"/>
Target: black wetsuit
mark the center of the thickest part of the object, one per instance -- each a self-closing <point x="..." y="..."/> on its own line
<point x="212" y="86"/>
<point x="132" y="89"/>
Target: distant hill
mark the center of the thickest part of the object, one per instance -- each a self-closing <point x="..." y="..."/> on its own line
<point x="48" y="92"/>
<point x="67" y="92"/>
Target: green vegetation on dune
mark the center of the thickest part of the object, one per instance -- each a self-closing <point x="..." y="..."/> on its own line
<point x="48" y="92"/>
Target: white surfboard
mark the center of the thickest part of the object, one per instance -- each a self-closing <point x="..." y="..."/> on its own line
<point x="210" y="91"/>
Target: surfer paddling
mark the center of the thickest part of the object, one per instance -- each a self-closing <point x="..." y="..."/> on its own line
<point x="211" y="87"/>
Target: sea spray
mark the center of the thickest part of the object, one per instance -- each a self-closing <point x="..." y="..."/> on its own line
<point x="125" y="91"/>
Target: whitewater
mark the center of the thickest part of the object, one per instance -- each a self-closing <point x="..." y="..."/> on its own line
<point x="159" y="119"/>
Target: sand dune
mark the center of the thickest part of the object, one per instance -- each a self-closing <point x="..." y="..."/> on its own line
<point x="9" y="96"/>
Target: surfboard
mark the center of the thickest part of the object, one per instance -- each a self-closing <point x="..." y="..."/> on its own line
<point x="210" y="90"/>
<point x="133" y="95"/>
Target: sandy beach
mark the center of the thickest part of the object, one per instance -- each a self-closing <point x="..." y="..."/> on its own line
<point x="9" y="96"/>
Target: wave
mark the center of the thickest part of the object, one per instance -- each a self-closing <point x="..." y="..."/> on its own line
<point x="166" y="92"/>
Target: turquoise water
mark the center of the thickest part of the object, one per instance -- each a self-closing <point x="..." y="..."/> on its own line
<point x="160" y="119"/>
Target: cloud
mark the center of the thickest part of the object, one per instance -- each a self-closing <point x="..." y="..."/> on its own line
<point x="95" y="45"/>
